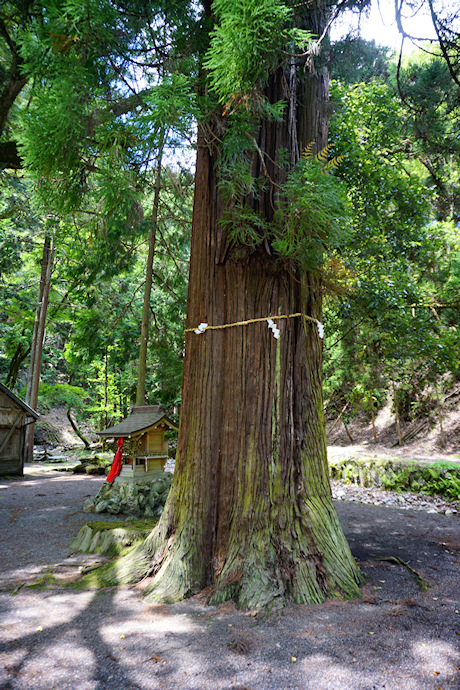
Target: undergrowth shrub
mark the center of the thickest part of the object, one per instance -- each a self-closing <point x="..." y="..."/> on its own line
<point x="441" y="478"/>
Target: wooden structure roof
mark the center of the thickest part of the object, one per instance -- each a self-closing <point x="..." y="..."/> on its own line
<point x="14" y="414"/>
<point x="20" y="403"/>
<point x="139" y="421"/>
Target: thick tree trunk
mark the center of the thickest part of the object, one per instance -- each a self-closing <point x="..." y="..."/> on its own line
<point x="250" y="510"/>
<point x="250" y="513"/>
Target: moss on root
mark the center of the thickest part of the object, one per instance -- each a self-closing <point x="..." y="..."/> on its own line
<point x="111" y="538"/>
<point x="106" y="575"/>
<point x="44" y="581"/>
<point x="144" y="525"/>
<point x="296" y="554"/>
<point x="123" y="542"/>
<point x="305" y="563"/>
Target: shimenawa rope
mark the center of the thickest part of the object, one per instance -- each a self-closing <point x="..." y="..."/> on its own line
<point x="269" y="319"/>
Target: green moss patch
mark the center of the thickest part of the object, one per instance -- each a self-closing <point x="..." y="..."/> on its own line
<point x="106" y="575"/>
<point x="115" y="539"/>
<point x="145" y="525"/>
<point x="111" y="538"/>
<point x="44" y="581"/>
<point x="441" y="478"/>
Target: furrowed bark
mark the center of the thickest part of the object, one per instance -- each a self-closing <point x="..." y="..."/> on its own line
<point x="250" y="514"/>
<point x="38" y="337"/>
<point x="250" y="511"/>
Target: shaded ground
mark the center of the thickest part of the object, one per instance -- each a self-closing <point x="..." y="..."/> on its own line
<point x="396" y="636"/>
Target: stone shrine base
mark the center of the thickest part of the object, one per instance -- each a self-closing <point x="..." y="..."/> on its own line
<point x="137" y="498"/>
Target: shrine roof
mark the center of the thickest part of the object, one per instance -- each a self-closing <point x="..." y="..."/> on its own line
<point x="140" y="420"/>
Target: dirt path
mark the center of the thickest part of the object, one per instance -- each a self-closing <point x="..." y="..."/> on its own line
<point x="396" y="637"/>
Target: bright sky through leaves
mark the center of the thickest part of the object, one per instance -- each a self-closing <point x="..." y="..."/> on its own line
<point x="380" y="25"/>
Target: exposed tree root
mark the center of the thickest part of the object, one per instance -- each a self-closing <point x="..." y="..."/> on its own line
<point x="423" y="584"/>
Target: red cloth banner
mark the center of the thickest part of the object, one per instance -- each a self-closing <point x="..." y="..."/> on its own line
<point x="116" y="464"/>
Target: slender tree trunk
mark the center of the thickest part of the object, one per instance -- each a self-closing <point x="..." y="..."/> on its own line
<point x="345" y="425"/>
<point x="371" y="398"/>
<point x="398" y="424"/>
<point x="347" y="431"/>
<point x="142" y="369"/>
<point x="106" y="388"/>
<point x="17" y="359"/>
<point x="76" y="429"/>
<point x="38" y="337"/>
<point x="440" y="406"/>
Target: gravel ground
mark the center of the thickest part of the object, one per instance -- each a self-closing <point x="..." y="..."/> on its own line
<point x="396" y="637"/>
<point x="403" y="501"/>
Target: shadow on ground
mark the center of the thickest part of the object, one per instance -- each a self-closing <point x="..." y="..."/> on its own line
<point x="397" y="636"/>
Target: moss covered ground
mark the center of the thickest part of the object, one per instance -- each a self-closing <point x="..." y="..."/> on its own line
<point x="441" y="478"/>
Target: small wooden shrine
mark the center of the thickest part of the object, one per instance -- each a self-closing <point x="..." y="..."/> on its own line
<point x="15" y="415"/>
<point x="145" y="450"/>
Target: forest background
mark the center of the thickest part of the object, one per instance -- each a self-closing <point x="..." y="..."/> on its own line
<point x="86" y="233"/>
